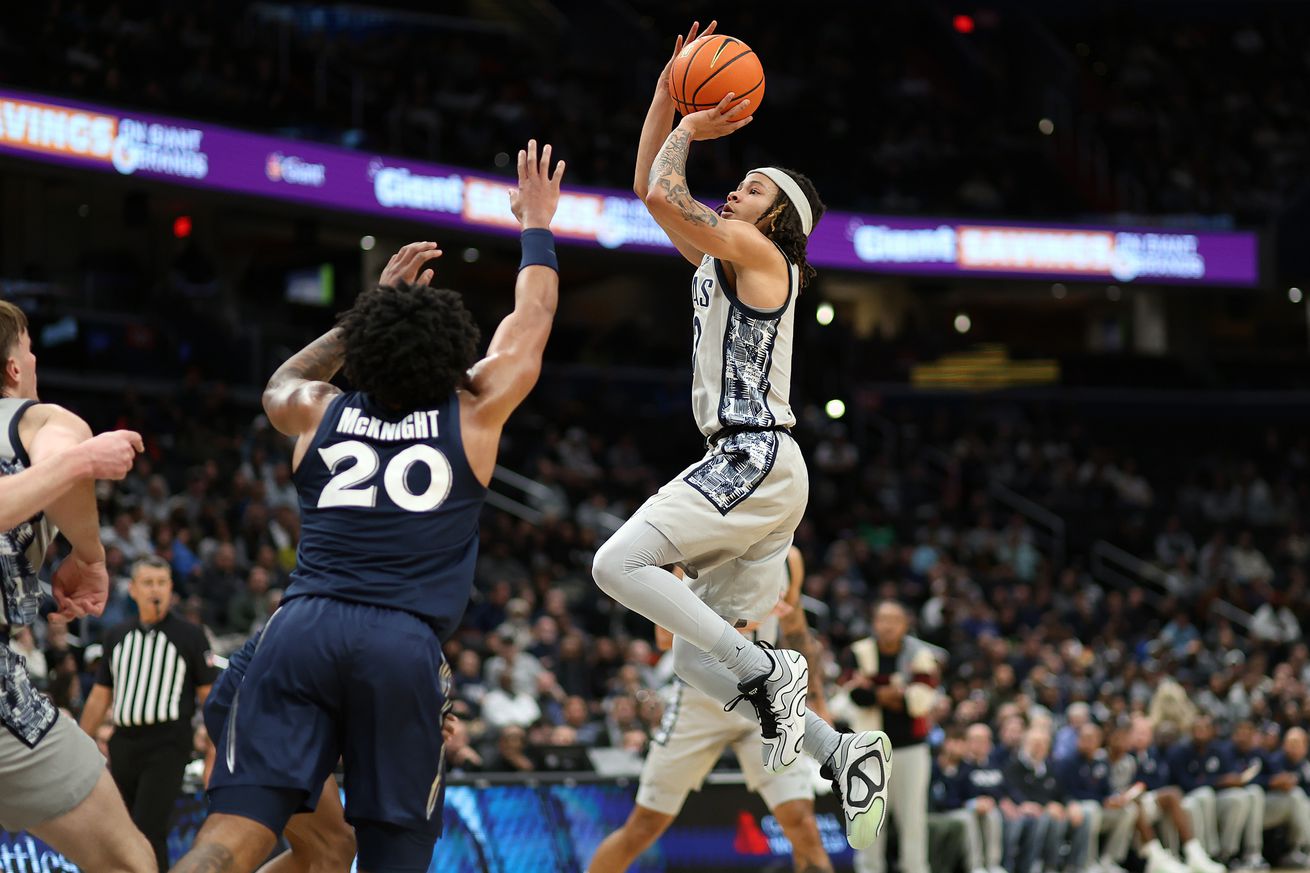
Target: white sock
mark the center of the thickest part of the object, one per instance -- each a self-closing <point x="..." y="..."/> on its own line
<point x="746" y="660"/>
<point x="820" y="740"/>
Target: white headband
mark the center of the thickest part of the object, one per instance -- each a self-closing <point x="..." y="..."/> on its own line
<point x="793" y="192"/>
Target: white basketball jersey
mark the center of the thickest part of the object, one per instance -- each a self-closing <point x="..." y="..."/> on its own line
<point x="741" y="357"/>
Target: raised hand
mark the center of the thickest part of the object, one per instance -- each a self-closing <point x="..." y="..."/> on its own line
<point x="404" y="266"/>
<point x="111" y="454"/>
<point x="534" y="201"/>
<point x="719" y="121"/>
<point x="663" y="87"/>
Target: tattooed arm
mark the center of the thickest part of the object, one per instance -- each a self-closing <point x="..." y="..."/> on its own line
<point x="796" y="635"/>
<point x="672" y="206"/>
<point x="297" y="393"/>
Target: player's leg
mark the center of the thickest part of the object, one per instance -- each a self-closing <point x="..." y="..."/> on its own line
<point x="228" y="844"/>
<point x="789" y="795"/>
<point x="321" y="841"/>
<point x="858" y="764"/>
<point x="691" y="739"/>
<point x="98" y="835"/>
<point x="695" y="521"/>
<point x="59" y="789"/>
<point x="394" y="685"/>
<point x="798" y="823"/>
<point x="280" y="741"/>
<point x="619" y="850"/>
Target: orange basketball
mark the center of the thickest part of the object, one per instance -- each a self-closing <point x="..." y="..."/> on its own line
<point x="708" y="68"/>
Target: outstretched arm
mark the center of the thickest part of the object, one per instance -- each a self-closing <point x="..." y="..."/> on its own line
<point x="501" y="380"/>
<point x="65" y="461"/>
<point x="659" y="118"/>
<point x="796" y="635"/>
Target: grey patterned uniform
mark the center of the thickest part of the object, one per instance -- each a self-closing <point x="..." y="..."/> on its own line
<point x="47" y="764"/>
<point x="743" y="500"/>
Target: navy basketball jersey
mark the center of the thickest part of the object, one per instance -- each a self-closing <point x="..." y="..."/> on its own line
<point x="389" y="510"/>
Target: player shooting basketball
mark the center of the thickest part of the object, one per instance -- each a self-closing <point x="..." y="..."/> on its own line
<point x="735" y="510"/>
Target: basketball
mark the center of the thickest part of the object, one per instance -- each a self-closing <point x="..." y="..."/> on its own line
<point x="708" y="68"/>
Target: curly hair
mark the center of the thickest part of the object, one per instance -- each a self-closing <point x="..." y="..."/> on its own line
<point x="782" y="224"/>
<point x="409" y="346"/>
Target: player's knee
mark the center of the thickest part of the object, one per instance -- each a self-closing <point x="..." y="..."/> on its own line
<point x="339" y="850"/>
<point x="607" y="567"/>
<point x="797" y="820"/>
<point x="132" y="853"/>
<point x="688" y="661"/>
<point x="645" y="826"/>
<point x="322" y="847"/>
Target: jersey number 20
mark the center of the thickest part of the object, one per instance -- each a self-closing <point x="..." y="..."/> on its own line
<point x="346" y="488"/>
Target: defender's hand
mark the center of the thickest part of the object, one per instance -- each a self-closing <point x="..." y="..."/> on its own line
<point x="404" y="266"/>
<point x="534" y="201"/>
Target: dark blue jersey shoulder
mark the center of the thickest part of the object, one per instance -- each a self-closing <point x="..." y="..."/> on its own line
<point x="389" y="510"/>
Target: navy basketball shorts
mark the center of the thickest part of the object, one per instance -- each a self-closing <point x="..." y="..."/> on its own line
<point x="219" y="702"/>
<point x="333" y="679"/>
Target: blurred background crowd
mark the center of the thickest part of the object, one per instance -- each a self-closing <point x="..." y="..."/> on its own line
<point x="947" y="105"/>
<point x="1127" y="541"/>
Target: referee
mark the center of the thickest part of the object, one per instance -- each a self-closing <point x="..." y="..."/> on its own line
<point x="155" y="672"/>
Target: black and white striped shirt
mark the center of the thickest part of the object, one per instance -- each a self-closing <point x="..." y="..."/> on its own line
<point x="154" y="671"/>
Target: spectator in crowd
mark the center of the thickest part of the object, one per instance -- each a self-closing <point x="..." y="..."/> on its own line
<point x="1274" y="622"/>
<point x="1251" y="776"/>
<point x="1204" y="770"/>
<point x="1039" y="836"/>
<point x="1286" y="802"/>
<point x="1085" y="778"/>
<point x="506" y="705"/>
<point x="952" y="829"/>
<point x="511" y="754"/>
<point x="985" y="798"/>
<point x="1127" y="792"/>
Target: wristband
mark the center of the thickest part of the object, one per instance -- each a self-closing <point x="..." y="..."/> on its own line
<point x="538" y="248"/>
